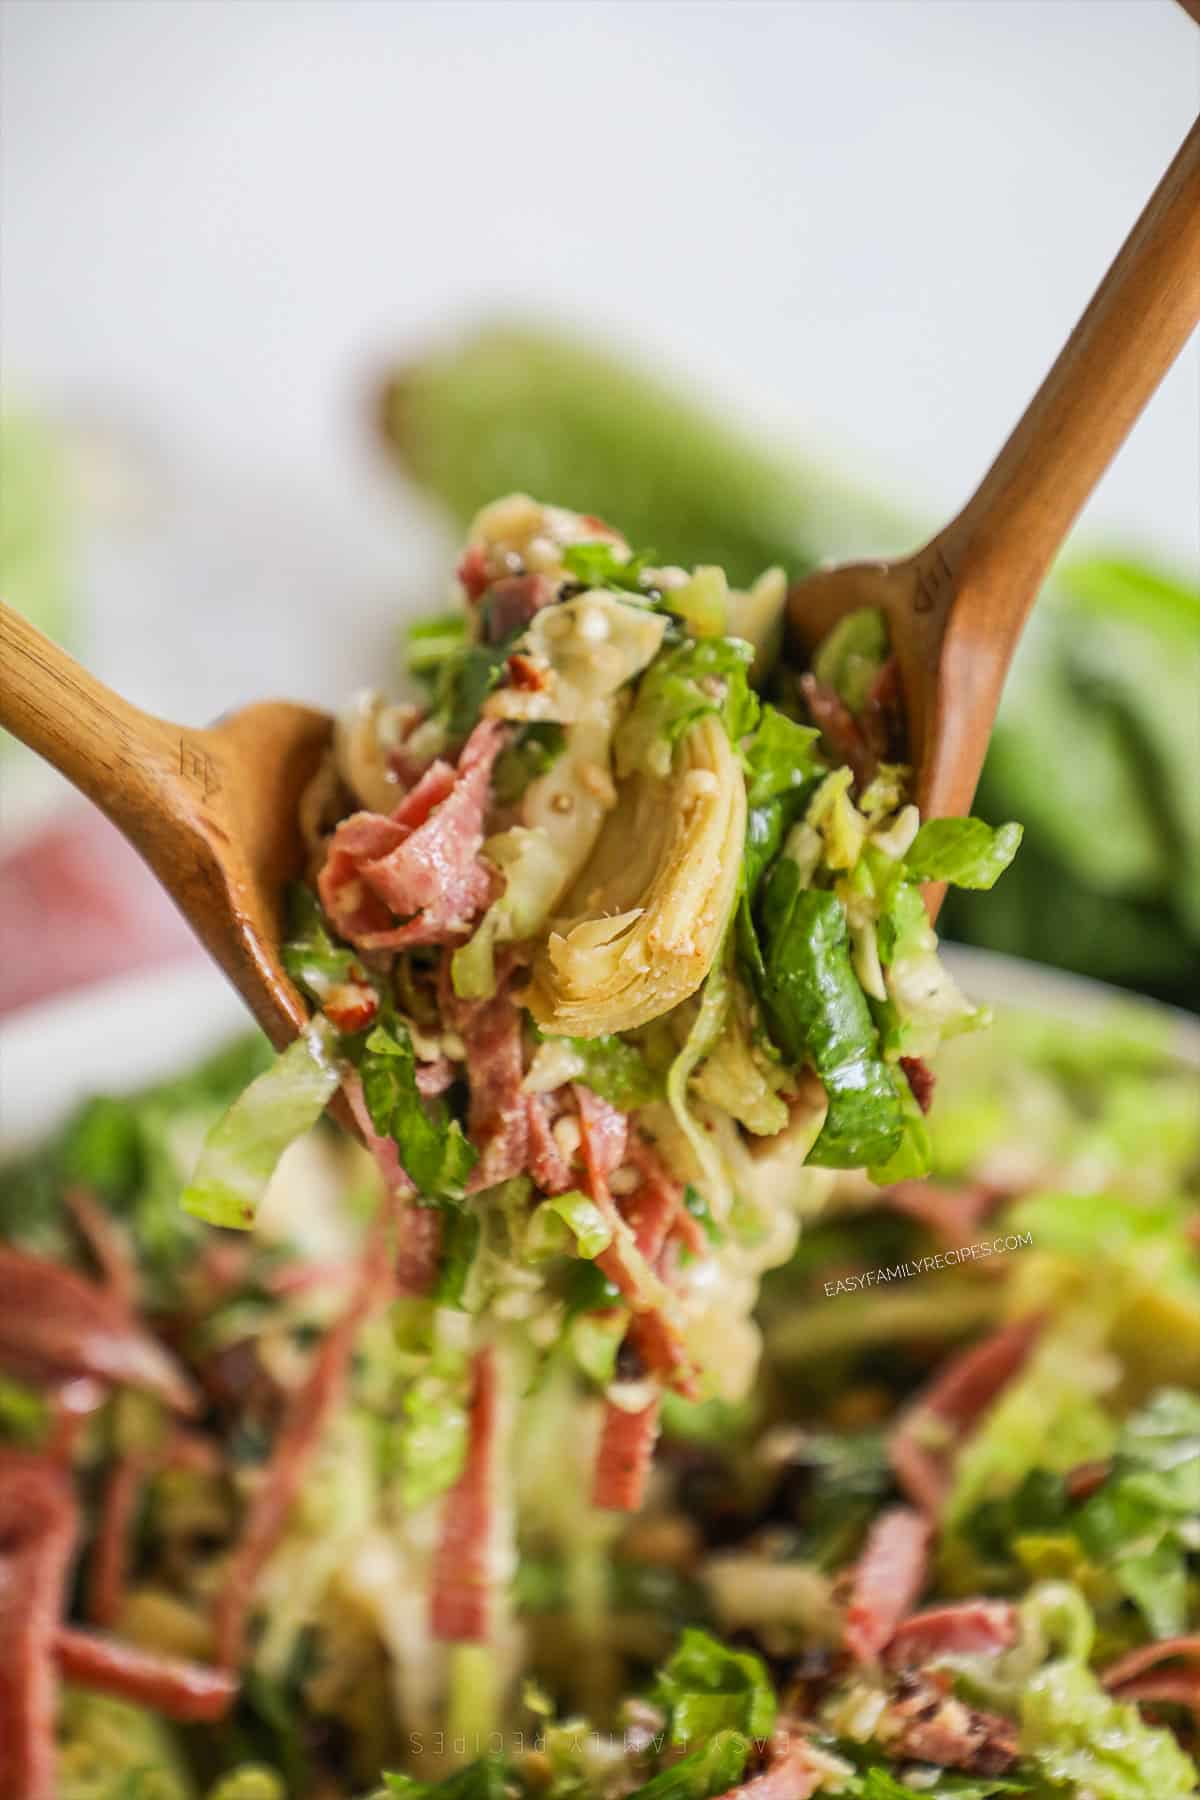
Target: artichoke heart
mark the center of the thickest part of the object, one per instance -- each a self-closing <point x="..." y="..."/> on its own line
<point x="644" y="921"/>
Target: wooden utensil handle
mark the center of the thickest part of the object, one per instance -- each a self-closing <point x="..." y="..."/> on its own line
<point x="121" y="758"/>
<point x="1143" y="313"/>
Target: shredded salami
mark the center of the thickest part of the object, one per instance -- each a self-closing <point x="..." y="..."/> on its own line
<point x="55" y="1324"/>
<point x="462" y="1591"/>
<point x="1084" y="1479"/>
<point x="1163" y="1690"/>
<point x="921" y="1080"/>
<point x="309" y="1410"/>
<point x="605" y="1137"/>
<point x="662" y="1350"/>
<point x="38" y="1524"/>
<point x="626" y="1450"/>
<point x="185" y="1691"/>
<point x="421" y="866"/>
<point x="434" y="1077"/>
<point x="952" y="1405"/>
<point x="655" y="1208"/>
<point x="498" y="1112"/>
<point x="887" y="1580"/>
<point x="655" y="1338"/>
<point x="107" y="1243"/>
<point x="973" y="1626"/>
<point x="108" y="1563"/>
<point x="72" y="1403"/>
<point x="512" y="602"/>
<point x="882" y="721"/>
<point x="840" y="729"/>
<point x="420" y="1251"/>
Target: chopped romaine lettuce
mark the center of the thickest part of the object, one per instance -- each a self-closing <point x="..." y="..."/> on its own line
<point x="1048" y="1417"/>
<point x="431" y="642"/>
<point x="242" y="1150"/>
<point x="966" y="852"/>
<point x="703" y="1036"/>
<point x="1141" y="1524"/>
<point x="251" y="1782"/>
<point x="852" y="654"/>
<point x="702" y="602"/>
<point x="535" y="749"/>
<point x="611" y="1066"/>
<point x="311" y="957"/>
<point x="684" y="684"/>
<point x="435" y="1154"/>
<point x="570" y="1223"/>
<point x="482" y="1780"/>
<point x="818" y="1013"/>
<point x="743" y="1077"/>
<point x="781" y="758"/>
<point x="109" y="1750"/>
<point x="1082" y="1741"/>
<point x="434" y="1429"/>
<point x="714" y="1769"/>
<point x="877" y="1782"/>
<point x="461" y="1232"/>
<point x="913" y="1156"/>
<point x="706" y="1687"/>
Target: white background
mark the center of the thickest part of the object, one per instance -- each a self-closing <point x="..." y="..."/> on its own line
<point x="868" y="224"/>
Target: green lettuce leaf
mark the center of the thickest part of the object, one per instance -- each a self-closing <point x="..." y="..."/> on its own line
<point x="913" y="1156"/>
<point x="1082" y="1741"/>
<point x="482" y="1780"/>
<point x="601" y="565"/>
<point x="534" y="750"/>
<point x="880" y="1783"/>
<point x="817" y="1012"/>
<point x="242" y="1150"/>
<point x="109" y="1750"/>
<point x="703" y="1036"/>
<point x="707" y="1688"/>
<point x="431" y="643"/>
<point x="461" y="1231"/>
<point x="684" y="684"/>
<point x="617" y="1071"/>
<point x="569" y="1224"/>
<point x="251" y="1782"/>
<point x="713" y="1769"/>
<point x="963" y="851"/>
<point x="433" y="1430"/>
<point x="435" y="1154"/>
<point x="1141" y="1524"/>
<point x="1048" y="1417"/>
<point x="311" y="957"/>
<point x="781" y="757"/>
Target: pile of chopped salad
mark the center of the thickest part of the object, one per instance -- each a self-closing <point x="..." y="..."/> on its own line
<point x="946" y="1546"/>
<point x="616" y="960"/>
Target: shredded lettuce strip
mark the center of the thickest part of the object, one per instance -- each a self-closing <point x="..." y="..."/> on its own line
<point x="243" y="1149"/>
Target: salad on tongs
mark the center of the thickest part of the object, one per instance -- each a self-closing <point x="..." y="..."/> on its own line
<point x="616" y="959"/>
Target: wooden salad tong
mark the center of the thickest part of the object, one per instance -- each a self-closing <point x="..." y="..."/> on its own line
<point x="956" y="607"/>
